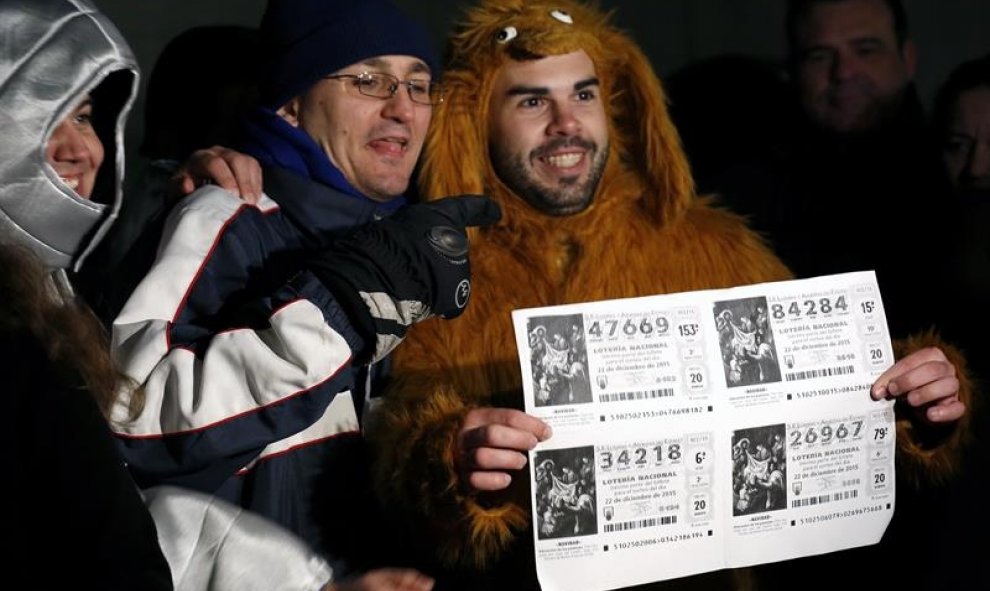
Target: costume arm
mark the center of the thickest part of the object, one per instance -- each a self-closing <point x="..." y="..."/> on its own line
<point x="413" y="433"/>
<point x="930" y="453"/>
<point x="218" y="387"/>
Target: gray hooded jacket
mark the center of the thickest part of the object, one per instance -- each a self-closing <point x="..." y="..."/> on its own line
<point x="54" y="53"/>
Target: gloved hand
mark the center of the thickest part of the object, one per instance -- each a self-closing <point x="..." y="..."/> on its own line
<point x="399" y="270"/>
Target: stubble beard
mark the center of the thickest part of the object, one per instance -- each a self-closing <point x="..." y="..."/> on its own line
<point x="569" y="195"/>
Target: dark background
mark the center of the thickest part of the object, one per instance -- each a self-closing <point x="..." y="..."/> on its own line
<point x="672" y="32"/>
<point x="675" y="33"/>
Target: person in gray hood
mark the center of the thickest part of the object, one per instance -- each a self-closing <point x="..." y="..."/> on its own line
<point x="68" y="81"/>
<point x="54" y="56"/>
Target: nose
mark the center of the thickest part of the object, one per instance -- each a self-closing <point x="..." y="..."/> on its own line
<point x="563" y="123"/>
<point x="67" y="143"/>
<point x="400" y="107"/>
<point x="844" y="66"/>
<point x="978" y="164"/>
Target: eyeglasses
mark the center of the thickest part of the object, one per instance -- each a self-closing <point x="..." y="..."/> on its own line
<point x="384" y="86"/>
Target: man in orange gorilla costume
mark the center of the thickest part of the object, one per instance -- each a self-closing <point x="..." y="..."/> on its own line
<point x="559" y="117"/>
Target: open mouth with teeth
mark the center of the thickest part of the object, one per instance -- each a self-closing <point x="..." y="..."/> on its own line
<point x="70" y="182"/>
<point x="568" y="160"/>
<point x="565" y="157"/>
<point x="79" y="183"/>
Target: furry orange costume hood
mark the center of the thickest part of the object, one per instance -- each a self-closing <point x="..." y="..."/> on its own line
<point x="644" y="144"/>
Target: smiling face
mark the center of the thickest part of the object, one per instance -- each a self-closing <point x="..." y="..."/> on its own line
<point x="374" y="142"/>
<point x="852" y="71"/>
<point x="74" y="150"/>
<point x="548" y="130"/>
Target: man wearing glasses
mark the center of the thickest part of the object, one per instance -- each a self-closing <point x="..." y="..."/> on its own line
<point x="242" y="400"/>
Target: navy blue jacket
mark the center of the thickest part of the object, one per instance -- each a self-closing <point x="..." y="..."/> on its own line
<point x="245" y="357"/>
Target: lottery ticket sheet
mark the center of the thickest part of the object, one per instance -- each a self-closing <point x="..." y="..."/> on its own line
<point x="707" y="430"/>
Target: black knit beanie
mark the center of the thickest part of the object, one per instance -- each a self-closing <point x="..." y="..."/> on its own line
<point x="304" y="40"/>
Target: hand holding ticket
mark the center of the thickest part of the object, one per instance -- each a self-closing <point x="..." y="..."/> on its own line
<point x="491" y="445"/>
<point x="927" y="381"/>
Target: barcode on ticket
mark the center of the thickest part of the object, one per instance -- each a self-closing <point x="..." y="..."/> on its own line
<point x="652" y="522"/>
<point x="638" y="395"/>
<point x="819" y="373"/>
<point x="822" y="499"/>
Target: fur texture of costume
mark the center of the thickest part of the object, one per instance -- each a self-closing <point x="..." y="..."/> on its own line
<point x="646" y="232"/>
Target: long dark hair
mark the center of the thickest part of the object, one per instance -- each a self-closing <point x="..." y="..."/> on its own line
<point x="31" y="303"/>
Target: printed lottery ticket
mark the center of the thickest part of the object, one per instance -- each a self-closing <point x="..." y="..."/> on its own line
<point x="707" y="430"/>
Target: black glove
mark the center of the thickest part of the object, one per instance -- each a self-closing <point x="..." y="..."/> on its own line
<point x="394" y="272"/>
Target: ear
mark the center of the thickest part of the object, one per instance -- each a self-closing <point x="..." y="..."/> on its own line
<point x="651" y="143"/>
<point x="290" y="112"/>
<point x="909" y="54"/>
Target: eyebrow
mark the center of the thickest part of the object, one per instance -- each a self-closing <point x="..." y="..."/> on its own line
<point x="418" y="67"/>
<point x="868" y="40"/>
<point x="543" y="90"/>
<point x="586" y="83"/>
<point x="864" y="39"/>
